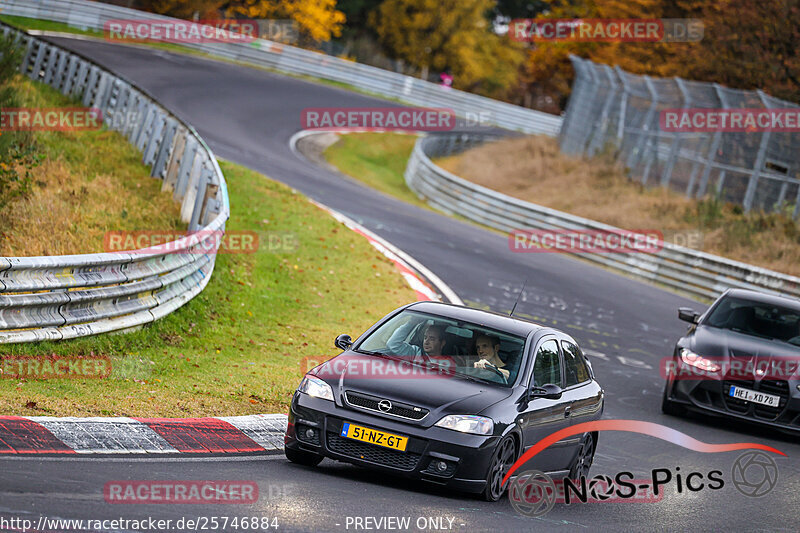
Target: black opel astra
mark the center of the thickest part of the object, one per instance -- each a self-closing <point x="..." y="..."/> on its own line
<point x="449" y="395"/>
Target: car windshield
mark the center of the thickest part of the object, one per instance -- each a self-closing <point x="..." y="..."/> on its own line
<point x="465" y="348"/>
<point x="757" y="318"/>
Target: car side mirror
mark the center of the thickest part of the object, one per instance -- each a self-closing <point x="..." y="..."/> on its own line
<point x="549" y="392"/>
<point x="343" y="341"/>
<point x="687" y="314"/>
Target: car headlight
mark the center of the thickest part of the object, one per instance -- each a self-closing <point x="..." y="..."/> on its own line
<point x="479" y="425"/>
<point x="698" y="361"/>
<point x="316" y="387"/>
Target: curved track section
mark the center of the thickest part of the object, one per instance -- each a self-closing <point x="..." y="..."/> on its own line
<point x="626" y="326"/>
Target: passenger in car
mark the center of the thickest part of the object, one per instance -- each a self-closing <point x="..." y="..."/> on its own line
<point x="433" y="340"/>
<point x="488" y="348"/>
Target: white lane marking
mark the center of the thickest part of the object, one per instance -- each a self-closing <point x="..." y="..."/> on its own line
<point x="596" y="354"/>
<point x="635" y="363"/>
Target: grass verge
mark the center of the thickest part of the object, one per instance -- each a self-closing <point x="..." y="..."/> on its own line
<point x="88" y="183"/>
<point x="376" y="159"/>
<point x="238" y="347"/>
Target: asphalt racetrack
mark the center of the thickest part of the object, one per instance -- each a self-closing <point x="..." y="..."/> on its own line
<point x="626" y="327"/>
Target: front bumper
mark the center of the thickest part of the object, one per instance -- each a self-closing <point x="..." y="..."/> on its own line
<point x="315" y="426"/>
<point x="711" y="396"/>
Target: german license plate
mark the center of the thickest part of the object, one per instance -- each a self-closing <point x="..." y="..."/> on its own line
<point x="755" y="397"/>
<point x="373" y="436"/>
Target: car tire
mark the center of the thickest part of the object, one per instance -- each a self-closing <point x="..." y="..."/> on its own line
<point x="301" y="457"/>
<point x="668" y="407"/>
<point x="503" y="457"/>
<point x="583" y="460"/>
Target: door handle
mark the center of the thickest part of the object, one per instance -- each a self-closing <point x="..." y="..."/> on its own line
<point x="567" y="411"/>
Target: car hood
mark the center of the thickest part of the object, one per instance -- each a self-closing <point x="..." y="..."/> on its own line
<point x="716" y="342"/>
<point x="402" y="381"/>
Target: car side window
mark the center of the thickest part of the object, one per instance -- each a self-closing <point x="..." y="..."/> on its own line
<point x="546" y="367"/>
<point x="575" y="370"/>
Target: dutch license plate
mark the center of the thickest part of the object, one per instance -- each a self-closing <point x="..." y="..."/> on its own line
<point x="755" y="397"/>
<point x="373" y="436"/>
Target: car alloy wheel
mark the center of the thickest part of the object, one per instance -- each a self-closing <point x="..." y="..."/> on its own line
<point x="584" y="459"/>
<point x="504" y="457"/>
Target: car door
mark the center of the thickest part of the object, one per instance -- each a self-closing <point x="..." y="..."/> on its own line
<point x="582" y="395"/>
<point x="540" y="417"/>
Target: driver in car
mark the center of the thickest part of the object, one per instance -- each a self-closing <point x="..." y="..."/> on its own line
<point x="488" y="348"/>
<point x="433" y="340"/>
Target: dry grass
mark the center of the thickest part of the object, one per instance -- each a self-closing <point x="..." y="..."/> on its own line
<point x="533" y="169"/>
<point x="88" y="183"/>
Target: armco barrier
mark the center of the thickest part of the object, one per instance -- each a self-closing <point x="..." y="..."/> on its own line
<point x="263" y="53"/>
<point x="702" y="275"/>
<point x="62" y="297"/>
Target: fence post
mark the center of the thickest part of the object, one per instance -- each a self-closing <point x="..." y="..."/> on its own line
<point x="712" y="151"/>
<point x="752" y="184"/>
<point x="676" y="140"/>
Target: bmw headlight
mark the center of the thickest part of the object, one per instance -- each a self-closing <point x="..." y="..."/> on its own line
<point x="698" y="361"/>
<point x="316" y="387"/>
<point x="479" y="425"/>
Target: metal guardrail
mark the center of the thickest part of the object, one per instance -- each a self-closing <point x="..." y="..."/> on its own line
<point x="293" y="60"/>
<point x="62" y="297"/>
<point x="702" y="275"/>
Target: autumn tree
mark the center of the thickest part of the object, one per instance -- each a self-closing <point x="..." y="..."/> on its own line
<point x="317" y="20"/>
<point x="548" y="73"/>
<point x="449" y="36"/>
<point x="750" y="45"/>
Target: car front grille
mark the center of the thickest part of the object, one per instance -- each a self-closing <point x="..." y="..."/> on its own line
<point x="373" y="454"/>
<point x="776" y="387"/>
<point x="370" y="403"/>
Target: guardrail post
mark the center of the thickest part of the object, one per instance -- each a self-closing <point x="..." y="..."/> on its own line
<point x="37" y="64"/>
<point x="174" y="163"/>
<point x="144" y="129"/>
<point x="160" y="163"/>
<point x="91" y="86"/>
<point x="79" y="84"/>
<point x="199" y="199"/>
<point x="52" y="60"/>
<point x="185" y="170"/>
<point x="155" y="138"/>
<point x="652" y="138"/>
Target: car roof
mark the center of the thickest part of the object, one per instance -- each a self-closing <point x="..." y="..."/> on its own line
<point x="761" y="297"/>
<point x="490" y="319"/>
